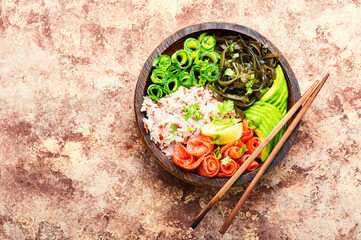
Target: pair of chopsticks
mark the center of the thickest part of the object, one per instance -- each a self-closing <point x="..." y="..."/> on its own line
<point x="306" y="100"/>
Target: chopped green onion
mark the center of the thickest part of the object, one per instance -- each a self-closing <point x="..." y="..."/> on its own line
<point x="185" y="80"/>
<point x="171" y="85"/>
<point x="209" y="55"/>
<point x="173" y="71"/>
<point x="197" y="76"/>
<point x="212" y="73"/>
<point x="208" y="43"/>
<point x="162" y="61"/>
<point x="155" y="92"/>
<point x="182" y="58"/>
<point x="159" y="76"/>
<point x="192" y="46"/>
<point x="200" y="38"/>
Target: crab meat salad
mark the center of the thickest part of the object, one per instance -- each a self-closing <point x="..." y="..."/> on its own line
<point x="211" y="104"/>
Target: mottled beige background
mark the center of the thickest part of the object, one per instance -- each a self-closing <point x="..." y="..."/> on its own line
<point x="72" y="165"/>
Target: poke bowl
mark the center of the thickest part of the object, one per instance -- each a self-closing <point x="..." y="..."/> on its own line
<point x="171" y="52"/>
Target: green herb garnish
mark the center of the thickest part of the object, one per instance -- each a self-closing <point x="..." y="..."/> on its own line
<point x="215" y="141"/>
<point x="226" y="107"/>
<point x="217" y="121"/>
<point x="216" y="154"/>
<point x="231" y="47"/>
<point x="249" y="85"/>
<point x="192" y="110"/>
<point x="190" y="129"/>
<point x="174" y="127"/>
<point x="229" y="72"/>
<point x="243" y="149"/>
<point x="236" y="55"/>
<point x="255" y="122"/>
<point x="226" y="160"/>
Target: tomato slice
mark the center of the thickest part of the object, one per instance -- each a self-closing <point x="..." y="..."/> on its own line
<point x="227" y="170"/>
<point x="183" y="159"/>
<point x="200" y="146"/>
<point x="209" y="167"/>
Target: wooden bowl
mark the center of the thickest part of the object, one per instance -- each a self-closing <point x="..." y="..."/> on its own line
<point x="174" y="43"/>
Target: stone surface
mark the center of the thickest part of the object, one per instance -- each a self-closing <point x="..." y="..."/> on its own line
<point x="72" y="165"/>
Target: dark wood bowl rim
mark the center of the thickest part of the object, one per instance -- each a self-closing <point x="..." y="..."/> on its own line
<point x="140" y="90"/>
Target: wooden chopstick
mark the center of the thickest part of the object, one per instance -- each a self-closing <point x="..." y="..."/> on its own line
<point x="258" y="150"/>
<point x="272" y="155"/>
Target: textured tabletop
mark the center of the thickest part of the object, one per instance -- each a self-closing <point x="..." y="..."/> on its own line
<point x="72" y="165"/>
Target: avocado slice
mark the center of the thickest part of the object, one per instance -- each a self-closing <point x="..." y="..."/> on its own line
<point x="267" y="116"/>
<point x="266" y="113"/>
<point x="266" y="151"/>
<point x="283" y="108"/>
<point x="265" y="126"/>
<point x="272" y="115"/>
<point x="278" y="115"/>
<point x="278" y="93"/>
<point x="282" y="95"/>
<point x="269" y="95"/>
<point x="262" y="131"/>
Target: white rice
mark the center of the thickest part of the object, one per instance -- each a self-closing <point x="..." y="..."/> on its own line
<point x="169" y="110"/>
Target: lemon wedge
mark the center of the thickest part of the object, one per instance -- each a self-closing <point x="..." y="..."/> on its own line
<point x="213" y="128"/>
<point x="223" y="131"/>
<point x="230" y="134"/>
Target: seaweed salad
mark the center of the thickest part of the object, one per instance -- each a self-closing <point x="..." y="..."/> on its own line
<point x="247" y="71"/>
